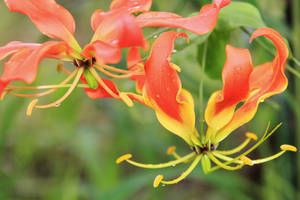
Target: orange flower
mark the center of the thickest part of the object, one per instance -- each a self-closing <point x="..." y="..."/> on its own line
<point x="115" y="29"/>
<point x="241" y="83"/>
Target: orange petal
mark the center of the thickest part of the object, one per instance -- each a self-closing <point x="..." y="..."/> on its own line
<point x="104" y="53"/>
<point x="235" y="75"/>
<point x="162" y="89"/>
<point x="100" y="92"/>
<point x="204" y="22"/>
<point x="117" y="28"/>
<point x="133" y="6"/>
<point x="23" y="65"/>
<point x="50" y="18"/>
<point x="135" y="64"/>
<point x="14" y="47"/>
<point x="275" y="82"/>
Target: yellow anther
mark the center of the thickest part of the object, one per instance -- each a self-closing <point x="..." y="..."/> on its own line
<point x="4" y="93"/>
<point x="59" y="67"/>
<point x="171" y="149"/>
<point x="251" y="136"/>
<point x="126" y="99"/>
<point x="157" y="180"/>
<point x="176" y="67"/>
<point x="123" y="158"/>
<point x="247" y="160"/>
<point x="31" y="106"/>
<point x="287" y="147"/>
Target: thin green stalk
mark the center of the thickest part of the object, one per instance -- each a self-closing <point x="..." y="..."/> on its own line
<point x="296" y="42"/>
<point x="203" y="64"/>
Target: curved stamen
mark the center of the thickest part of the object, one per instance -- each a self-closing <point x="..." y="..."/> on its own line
<point x="53" y="87"/>
<point x="263" y="160"/>
<point x="182" y="176"/>
<point x="127" y="75"/>
<point x="103" y="85"/>
<point x="240" y="147"/>
<point x="172" y="151"/>
<point x="265" y="136"/>
<point x="226" y="158"/>
<point x="156" y="166"/>
<point x="224" y="165"/>
<point x="70" y="90"/>
<point x="114" y="69"/>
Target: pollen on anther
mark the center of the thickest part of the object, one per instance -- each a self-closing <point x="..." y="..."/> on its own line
<point x="287" y="147"/>
<point x="123" y="158"/>
<point x="157" y="180"/>
<point x="252" y="136"/>
<point x="171" y="149"/>
<point x="247" y="160"/>
<point x="31" y="106"/>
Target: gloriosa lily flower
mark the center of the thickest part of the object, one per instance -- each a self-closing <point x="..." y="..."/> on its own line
<point x="161" y="88"/>
<point x="114" y="30"/>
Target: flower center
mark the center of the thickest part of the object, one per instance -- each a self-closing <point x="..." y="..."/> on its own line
<point x="206" y="148"/>
<point x="84" y="63"/>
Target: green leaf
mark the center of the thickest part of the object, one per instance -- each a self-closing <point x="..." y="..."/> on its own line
<point x="238" y="14"/>
<point x="90" y="79"/>
<point x="215" y="56"/>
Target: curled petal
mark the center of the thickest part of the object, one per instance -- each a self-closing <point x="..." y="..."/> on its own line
<point x="133" y="6"/>
<point x="50" y="18"/>
<point x="266" y="80"/>
<point x="103" y="52"/>
<point x="13" y="47"/>
<point x="162" y="88"/>
<point x="117" y="28"/>
<point x="135" y="64"/>
<point x="23" y="65"/>
<point x="204" y="22"/>
<point x="235" y="76"/>
<point x="222" y="3"/>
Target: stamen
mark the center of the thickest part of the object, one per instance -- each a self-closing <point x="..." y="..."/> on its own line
<point x="224" y="165"/>
<point x="70" y="90"/>
<point x="123" y="158"/>
<point x="247" y="160"/>
<point x="31" y="106"/>
<point x="114" y="69"/>
<point x="101" y="82"/>
<point x="4" y="93"/>
<point x="226" y="158"/>
<point x="235" y="150"/>
<point x="252" y="136"/>
<point x="241" y="146"/>
<point x="185" y="173"/>
<point x="287" y="147"/>
<point x="157" y="180"/>
<point x="263" y="160"/>
<point x="176" y="67"/>
<point x="157" y="166"/>
<point x="171" y="149"/>
<point x="124" y="97"/>
<point x="53" y="87"/>
<point x="265" y="136"/>
<point x="128" y="75"/>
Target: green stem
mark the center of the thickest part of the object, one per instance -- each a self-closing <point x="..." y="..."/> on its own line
<point x="296" y="42"/>
<point x="203" y="64"/>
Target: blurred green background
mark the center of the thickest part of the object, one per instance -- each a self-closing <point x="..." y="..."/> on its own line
<point x="69" y="152"/>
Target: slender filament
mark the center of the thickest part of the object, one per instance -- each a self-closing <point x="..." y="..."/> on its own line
<point x="70" y="90"/>
<point x="162" y="165"/>
<point x="185" y="173"/>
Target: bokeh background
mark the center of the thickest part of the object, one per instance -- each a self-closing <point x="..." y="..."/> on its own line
<point x="69" y="152"/>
